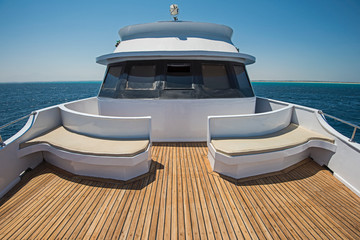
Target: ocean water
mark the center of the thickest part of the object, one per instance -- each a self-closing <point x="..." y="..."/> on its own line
<point x="340" y="100"/>
<point x="20" y="99"/>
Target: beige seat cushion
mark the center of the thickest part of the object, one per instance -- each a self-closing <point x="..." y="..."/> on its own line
<point x="72" y="142"/>
<point x="289" y="137"/>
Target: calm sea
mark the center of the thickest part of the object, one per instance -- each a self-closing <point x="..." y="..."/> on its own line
<point x="340" y="100"/>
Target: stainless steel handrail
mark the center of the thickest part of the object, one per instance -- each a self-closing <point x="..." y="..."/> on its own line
<point x="12" y="122"/>
<point x="342" y="121"/>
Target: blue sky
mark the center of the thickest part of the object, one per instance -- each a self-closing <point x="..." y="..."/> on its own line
<point x="291" y="40"/>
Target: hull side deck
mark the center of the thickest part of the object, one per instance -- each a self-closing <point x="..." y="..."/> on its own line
<point x="181" y="198"/>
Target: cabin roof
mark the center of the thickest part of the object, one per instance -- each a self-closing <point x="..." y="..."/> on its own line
<point x="180" y="29"/>
<point x="176" y="39"/>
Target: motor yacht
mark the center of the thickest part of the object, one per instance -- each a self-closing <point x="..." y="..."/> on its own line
<point x="177" y="145"/>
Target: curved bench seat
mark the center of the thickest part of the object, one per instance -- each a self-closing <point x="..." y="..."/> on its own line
<point x="66" y="140"/>
<point x="240" y="157"/>
<point x="289" y="137"/>
<point x="120" y="159"/>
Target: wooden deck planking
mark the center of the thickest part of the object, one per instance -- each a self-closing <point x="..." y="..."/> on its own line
<point x="181" y="199"/>
<point x="40" y="206"/>
<point x="332" y="218"/>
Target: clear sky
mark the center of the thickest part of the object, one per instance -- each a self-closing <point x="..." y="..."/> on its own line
<point x="291" y="40"/>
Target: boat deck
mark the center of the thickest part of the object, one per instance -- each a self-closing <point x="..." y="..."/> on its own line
<point x="181" y="198"/>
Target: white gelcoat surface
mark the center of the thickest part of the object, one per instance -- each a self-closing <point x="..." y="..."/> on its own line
<point x="176" y="35"/>
<point x="249" y="125"/>
<point x="257" y="125"/>
<point x="117" y="171"/>
<point x="176" y="28"/>
<point x="173" y="119"/>
<point x="88" y="159"/>
<point x="177" y="55"/>
<point x="176" y="39"/>
<point x="11" y="164"/>
<point x="345" y="162"/>
<point x="106" y="126"/>
<point x="171" y="43"/>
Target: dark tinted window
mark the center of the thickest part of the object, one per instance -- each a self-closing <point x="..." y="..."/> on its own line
<point x="141" y="77"/>
<point x="215" y="76"/>
<point x="243" y="81"/>
<point x="176" y="79"/>
<point x="111" y="82"/>
<point x="179" y="76"/>
<point x="112" y="78"/>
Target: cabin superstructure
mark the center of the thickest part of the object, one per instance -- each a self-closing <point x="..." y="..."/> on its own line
<point x="188" y="70"/>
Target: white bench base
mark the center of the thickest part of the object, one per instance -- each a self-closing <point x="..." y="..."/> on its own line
<point x="119" y="168"/>
<point x="256" y="164"/>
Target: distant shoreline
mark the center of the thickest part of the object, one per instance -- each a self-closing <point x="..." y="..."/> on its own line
<point x="253" y="81"/>
<point x="299" y="81"/>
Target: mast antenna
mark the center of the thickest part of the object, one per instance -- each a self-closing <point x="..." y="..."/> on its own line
<point x="174" y="11"/>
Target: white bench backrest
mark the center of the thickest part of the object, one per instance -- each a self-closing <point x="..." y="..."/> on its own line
<point x="248" y="125"/>
<point x="106" y="126"/>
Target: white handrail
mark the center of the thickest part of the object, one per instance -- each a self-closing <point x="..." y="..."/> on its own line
<point x="12" y="122"/>
<point x="342" y="121"/>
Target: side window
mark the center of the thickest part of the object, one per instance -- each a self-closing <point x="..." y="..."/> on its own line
<point x="243" y="81"/>
<point x="111" y="82"/>
<point x="179" y="76"/>
<point x="112" y="78"/>
<point x="215" y="76"/>
<point x="141" y="77"/>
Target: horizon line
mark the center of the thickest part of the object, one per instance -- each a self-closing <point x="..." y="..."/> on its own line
<point x="94" y="81"/>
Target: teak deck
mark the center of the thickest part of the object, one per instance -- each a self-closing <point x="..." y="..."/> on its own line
<point x="180" y="198"/>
